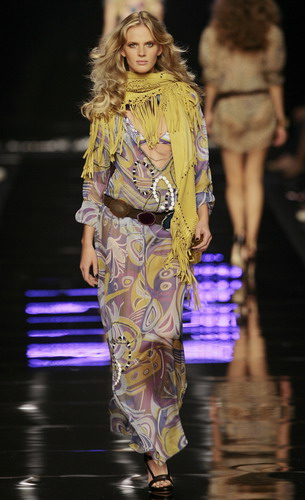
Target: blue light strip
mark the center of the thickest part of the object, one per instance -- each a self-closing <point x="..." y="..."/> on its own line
<point x="63" y="319"/>
<point x="97" y="353"/>
<point x="69" y="292"/>
<point x="66" y="332"/>
<point x="34" y="308"/>
<point x="211" y="257"/>
<point x="71" y="349"/>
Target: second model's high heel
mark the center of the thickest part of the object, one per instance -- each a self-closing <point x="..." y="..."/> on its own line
<point x="163" y="491"/>
<point x="251" y="274"/>
<point x="238" y="257"/>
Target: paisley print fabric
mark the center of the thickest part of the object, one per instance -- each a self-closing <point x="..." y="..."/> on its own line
<point x="140" y="302"/>
<point x="141" y="307"/>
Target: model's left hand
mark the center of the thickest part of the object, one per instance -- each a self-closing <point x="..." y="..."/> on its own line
<point x="280" y="136"/>
<point x="202" y="232"/>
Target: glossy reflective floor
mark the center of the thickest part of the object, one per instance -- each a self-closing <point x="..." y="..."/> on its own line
<point x="244" y="409"/>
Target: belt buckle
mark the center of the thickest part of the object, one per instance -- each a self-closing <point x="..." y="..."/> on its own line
<point x="167" y="220"/>
<point x="146" y="218"/>
<point x="119" y="208"/>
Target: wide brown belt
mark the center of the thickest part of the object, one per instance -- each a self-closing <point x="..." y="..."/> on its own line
<point x="224" y="95"/>
<point x="121" y="209"/>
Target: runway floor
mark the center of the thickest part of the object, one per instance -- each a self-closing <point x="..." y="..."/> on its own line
<point x="244" y="409"/>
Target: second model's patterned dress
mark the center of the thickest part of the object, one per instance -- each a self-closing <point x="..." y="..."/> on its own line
<point x="140" y="301"/>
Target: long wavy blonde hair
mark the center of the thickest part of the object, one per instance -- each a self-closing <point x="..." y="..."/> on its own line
<point x="109" y="68"/>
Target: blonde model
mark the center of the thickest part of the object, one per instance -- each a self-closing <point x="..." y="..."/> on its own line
<point x="147" y="194"/>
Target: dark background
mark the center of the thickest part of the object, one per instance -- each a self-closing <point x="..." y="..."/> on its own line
<point x="45" y="48"/>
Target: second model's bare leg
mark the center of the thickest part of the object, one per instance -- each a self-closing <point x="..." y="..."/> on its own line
<point x="254" y="197"/>
<point x="233" y="164"/>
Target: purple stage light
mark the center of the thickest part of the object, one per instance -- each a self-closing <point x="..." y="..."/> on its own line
<point x="224" y="270"/>
<point x="223" y="284"/>
<point x="66" y="332"/>
<point x="226" y="308"/>
<point x="211" y="257"/>
<point x="69" y="292"/>
<point x="50" y="363"/>
<point x="201" y="351"/>
<point x="97" y="354"/>
<point x="207" y="270"/>
<point x="213" y="320"/>
<point x="34" y="308"/>
<point x="236" y="285"/>
<point x="236" y="272"/>
<point x="73" y="349"/>
<point x="62" y="319"/>
<point x="216" y="333"/>
<point x="224" y="296"/>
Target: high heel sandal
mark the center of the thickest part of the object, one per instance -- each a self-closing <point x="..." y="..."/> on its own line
<point x="251" y="274"/>
<point x="162" y="490"/>
<point x="238" y="252"/>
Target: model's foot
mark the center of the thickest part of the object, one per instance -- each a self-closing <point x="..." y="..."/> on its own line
<point x="157" y="470"/>
<point x="250" y="250"/>
<point x="238" y="252"/>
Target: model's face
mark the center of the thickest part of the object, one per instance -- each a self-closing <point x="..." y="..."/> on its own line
<point x="140" y="50"/>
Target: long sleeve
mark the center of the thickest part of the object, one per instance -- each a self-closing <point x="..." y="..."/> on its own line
<point x="275" y="57"/>
<point x="94" y="188"/>
<point x="203" y="177"/>
<point x="208" y="57"/>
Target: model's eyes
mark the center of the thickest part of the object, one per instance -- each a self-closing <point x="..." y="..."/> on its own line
<point x="133" y="44"/>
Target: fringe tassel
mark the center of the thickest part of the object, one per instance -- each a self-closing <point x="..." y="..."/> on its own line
<point x="89" y="163"/>
<point x="100" y="129"/>
<point x="148" y="115"/>
<point x="178" y="106"/>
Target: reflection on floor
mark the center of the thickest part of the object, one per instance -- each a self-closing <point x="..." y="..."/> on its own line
<point x="244" y="408"/>
<point x="251" y="415"/>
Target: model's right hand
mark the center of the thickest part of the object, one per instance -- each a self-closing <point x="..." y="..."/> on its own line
<point x="88" y="262"/>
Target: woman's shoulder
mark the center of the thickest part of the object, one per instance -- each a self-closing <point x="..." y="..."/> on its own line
<point x="275" y="33"/>
<point x="209" y="33"/>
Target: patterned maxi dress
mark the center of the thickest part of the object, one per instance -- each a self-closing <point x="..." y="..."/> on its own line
<point x="140" y="301"/>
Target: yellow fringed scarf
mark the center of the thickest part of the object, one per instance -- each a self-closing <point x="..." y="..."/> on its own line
<point x="177" y="104"/>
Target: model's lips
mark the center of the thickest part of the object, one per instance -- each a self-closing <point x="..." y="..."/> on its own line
<point x="141" y="62"/>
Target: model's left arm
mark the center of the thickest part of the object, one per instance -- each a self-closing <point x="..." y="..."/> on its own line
<point x="274" y="60"/>
<point x="204" y="190"/>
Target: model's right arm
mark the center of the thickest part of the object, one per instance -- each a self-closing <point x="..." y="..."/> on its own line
<point x="208" y="61"/>
<point x="93" y="191"/>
